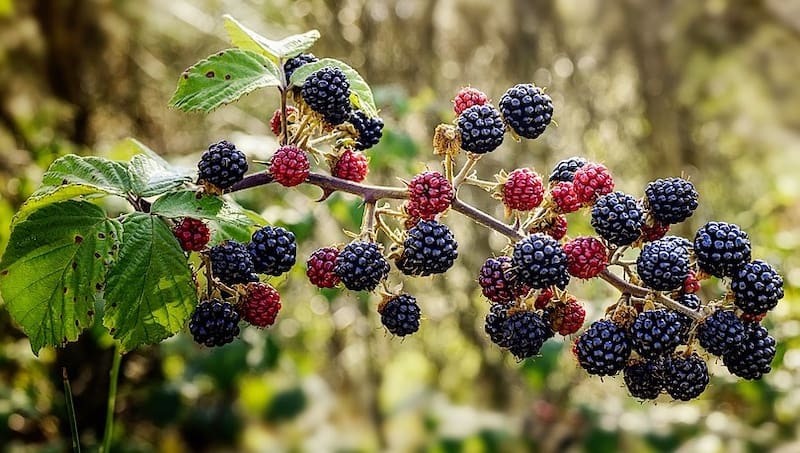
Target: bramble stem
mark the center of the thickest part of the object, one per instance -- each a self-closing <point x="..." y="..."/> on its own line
<point x="472" y="160"/>
<point x="73" y="422"/>
<point x="112" y="398"/>
<point x="284" y="122"/>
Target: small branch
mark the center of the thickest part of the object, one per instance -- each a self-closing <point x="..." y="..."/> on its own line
<point x="284" y="122"/>
<point x="369" y="193"/>
<point x="472" y="159"/>
<point x="638" y="291"/>
<point x="368" y="221"/>
<point x="485" y="219"/>
<point x="73" y="423"/>
<point x="112" y="398"/>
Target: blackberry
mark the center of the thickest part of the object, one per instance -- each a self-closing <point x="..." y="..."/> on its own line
<point x="273" y="250"/>
<point x="497" y="283"/>
<point x="495" y="325"/>
<point x="540" y="262"/>
<point x="721" y="248"/>
<point x="656" y="332"/>
<point x="222" y="165"/>
<point x="527" y="332"/>
<point x="685" y="378"/>
<point x="370" y="130"/>
<point x="644" y="379"/>
<point x="586" y="257"/>
<point x="720" y="332"/>
<point x="192" y="234"/>
<point x="527" y="109"/>
<point x="663" y="265"/>
<point x="261" y="304"/>
<point x="753" y="357"/>
<point x="429" y="193"/>
<point x="400" y="315"/>
<point x="523" y="190"/>
<point x="482" y="130"/>
<point x="361" y="266"/>
<point x="671" y="200"/>
<point x="321" y="265"/>
<point x="231" y="263"/>
<point x="617" y="218"/>
<point x="327" y="92"/>
<point x="564" y="171"/>
<point x="467" y="97"/>
<point x="757" y="287"/>
<point x="295" y="62"/>
<point x="214" y="323"/>
<point x="429" y="248"/>
<point x="603" y="349"/>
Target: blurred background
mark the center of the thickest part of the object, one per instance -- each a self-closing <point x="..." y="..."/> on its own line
<point x="651" y="88"/>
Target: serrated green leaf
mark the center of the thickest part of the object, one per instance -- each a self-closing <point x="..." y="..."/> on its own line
<point x="54" y="268"/>
<point x="187" y="204"/>
<point x="150" y="293"/>
<point x="107" y="175"/>
<point x="245" y="38"/>
<point x="150" y="178"/>
<point x="130" y="147"/>
<point x="234" y="222"/>
<point x="223" y="78"/>
<point x="360" y="93"/>
<point x="48" y="195"/>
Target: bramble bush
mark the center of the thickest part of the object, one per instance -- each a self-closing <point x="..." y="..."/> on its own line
<point x="185" y="254"/>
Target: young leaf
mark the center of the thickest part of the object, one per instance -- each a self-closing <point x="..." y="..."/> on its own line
<point x="130" y="147"/>
<point x="223" y="78"/>
<point x="244" y="38"/>
<point x="54" y="268"/>
<point x="360" y="92"/>
<point x="149" y="177"/>
<point x="187" y="204"/>
<point x="48" y="195"/>
<point x="150" y="292"/>
<point x="234" y="222"/>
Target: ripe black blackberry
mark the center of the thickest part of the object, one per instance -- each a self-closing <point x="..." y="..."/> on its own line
<point x="527" y="332"/>
<point x="603" y="349"/>
<point x="231" y="263"/>
<point x="685" y="378"/>
<point x="671" y="200"/>
<point x="753" y="357"/>
<point x="429" y="248"/>
<point x="222" y="165"/>
<point x="527" y="109"/>
<point x="540" y="262"/>
<point x="273" y="250"/>
<point x="663" y="265"/>
<point x="327" y="92"/>
<point x="644" y="379"/>
<point x="482" y="130"/>
<point x="361" y="266"/>
<point x="214" y="323"/>
<point x="757" y="287"/>
<point x="495" y="325"/>
<point x="564" y="171"/>
<point x="617" y="218"/>
<point x="498" y="282"/>
<point x="400" y="315"/>
<point x="720" y="332"/>
<point x="721" y="248"/>
<point x="295" y="62"/>
<point x="656" y="332"/>
<point x="370" y="130"/>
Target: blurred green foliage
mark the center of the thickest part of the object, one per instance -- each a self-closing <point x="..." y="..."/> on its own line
<point x="653" y="89"/>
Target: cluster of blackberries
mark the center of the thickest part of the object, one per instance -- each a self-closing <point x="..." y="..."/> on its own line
<point x="524" y="108"/>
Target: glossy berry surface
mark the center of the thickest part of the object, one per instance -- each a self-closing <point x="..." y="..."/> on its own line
<point x="565" y="198"/>
<point x="192" y="234"/>
<point x="591" y="181"/>
<point x="656" y="332"/>
<point x="663" y="265"/>
<point x="720" y="332"/>
<point x="586" y="257"/>
<point x="617" y="218"/>
<point x="527" y="332"/>
<point x="320" y="267"/>
<point x="214" y="323"/>
<point x="685" y="378"/>
<point x="295" y="62"/>
<point x="671" y="200"/>
<point x="351" y="165"/>
<point x="231" y="263"/>
<point x="527" y="110"/>
<point x="327" y="92"/>
<point x="222" y="165"/>
<point x="496" y="281"/>
<point x="361" y="266"/>
<point x="603" y="349"/>
<point x="369" y="130"/>
<point x="540" y="262"/>
<point x="260" y="305"/>
<point x="523" y="190"/>
<point x="430" y="193"/>
<point x="495" y="325"/>
<point x="429" y="248"/>
<point x="482" y="130"/>
<point x="273" y="250"/>
<point x="565" y="169"/>
<point x="467" y="97"/>
<point x="753" y="357"/>
<point x="644" y="379"/>
<point x="721" y="248"/>
<point x="757" y="287"/>
<point x="400" y="315"/>
<point x="289" y="166"/>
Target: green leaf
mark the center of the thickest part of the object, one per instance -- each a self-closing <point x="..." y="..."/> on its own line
<point x="104" y="174"/>
<point x="149" y="177"/>
<point x="187" y="204"/>
<point x="48" y="195"/>
<point x="360" y="93"/>
<point x="150" y="292"/>
<point x="244" y="38"/>
<point x="234" y="222"/>
<point x="223" y="78"/>
<point x="130" y="147"/>
<point x="54" y="268"/>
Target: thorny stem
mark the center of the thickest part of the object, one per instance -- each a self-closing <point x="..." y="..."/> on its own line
<point x="464" y="172"/>
<point x="368" y="221"/>
<point x="371" y="194"/>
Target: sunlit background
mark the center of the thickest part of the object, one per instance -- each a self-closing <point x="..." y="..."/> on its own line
<point x="653" y="89"/>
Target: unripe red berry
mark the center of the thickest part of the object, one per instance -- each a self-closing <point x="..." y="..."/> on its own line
<point x="193" y="234"/>
<point x="591" y="181"/>
<point x="289" y="166"/>
<point x="586" y="257"/>
<point x="565" y="198"/>
<point x="351" y="165"/>
<point x="261" y="304"/>
<point x="543" y="299"/>
<point x="321" y="265"/>
<point x="429" y="194"/>
<point x="654" y="232"/>
<point x="568" y="318"/>
<point x="468" y="97"/>
<point x="275" y="122"/>
<point x="523" y="190"/>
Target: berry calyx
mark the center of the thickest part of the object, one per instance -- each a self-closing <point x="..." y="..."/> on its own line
<point x="467" y="97"/>
<point x="321" y="267"/>
<point x="400" y="315"/>
<point x="222" y="165"/>
<point x="361" y="266"/>
<point x="540" y="262"/>
<point x="289" y="166"/>
<point x="586" y="257"/>
<point x="523" y="190"/>
<point x="260" y="305"/>
<point x="591" y="181"/>
<point x="192" y="234"/>
<point x="527" y="109"/>
<point x="429" y="193"/>
<point x="214" y="323"/>
<point x="273" y="250"/>
<point x="482" y="130"/>
<point x="351" y="165"/>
